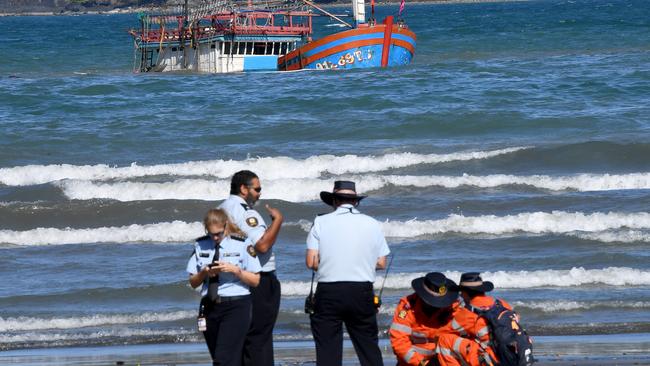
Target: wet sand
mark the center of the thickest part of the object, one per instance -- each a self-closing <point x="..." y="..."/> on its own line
<point x="625" y="349"/>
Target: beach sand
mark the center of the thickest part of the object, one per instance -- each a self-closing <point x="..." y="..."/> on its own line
<point x="626" y="349"/>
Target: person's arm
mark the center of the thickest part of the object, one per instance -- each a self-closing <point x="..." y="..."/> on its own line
<point x="400" y="336"/>
<point x="197" y="279"/>
<point x="249" y="278"/>
<point x="381" y="263"/>
<point x="311" y="259"/>
<point x="267" y="240"/>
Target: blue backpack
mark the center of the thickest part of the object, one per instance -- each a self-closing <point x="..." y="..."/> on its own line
<point x="510" y="342"/>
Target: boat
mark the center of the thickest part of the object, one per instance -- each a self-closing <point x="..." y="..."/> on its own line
<point x="222" y="36"/>
<point x="367" y="44"/>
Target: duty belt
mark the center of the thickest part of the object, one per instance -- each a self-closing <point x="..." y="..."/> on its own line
<point x="222" y="299"/>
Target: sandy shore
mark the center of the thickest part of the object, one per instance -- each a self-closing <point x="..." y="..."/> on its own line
<point x="625" y="349"/>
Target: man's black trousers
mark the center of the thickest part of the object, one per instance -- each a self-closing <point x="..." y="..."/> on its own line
<point x="258" y="347"/>
<point x="350" y="303"/>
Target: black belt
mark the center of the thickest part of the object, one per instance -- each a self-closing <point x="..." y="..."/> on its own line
<point x="222" y="299"/>
<point x="269" y="273"/>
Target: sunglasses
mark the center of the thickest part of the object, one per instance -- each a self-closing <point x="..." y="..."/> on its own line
<point x="257" y="189"/>
<point x="217" y="235"/>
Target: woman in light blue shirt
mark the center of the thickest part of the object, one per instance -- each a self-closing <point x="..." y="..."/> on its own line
<point x="225" y="264"/>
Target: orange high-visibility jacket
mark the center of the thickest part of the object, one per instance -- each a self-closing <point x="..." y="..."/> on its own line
<point x="413" y="335"/>
<point x="470" y="325"/>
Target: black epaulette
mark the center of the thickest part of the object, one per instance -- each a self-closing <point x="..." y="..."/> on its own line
<point x="324" y="213"/>
<point x="245" y="206"/>
<point x="203" y="237"/>
<point x="237" y="237"/>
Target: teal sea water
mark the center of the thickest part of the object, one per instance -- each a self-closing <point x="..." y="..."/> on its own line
<point x="515" y="144"/>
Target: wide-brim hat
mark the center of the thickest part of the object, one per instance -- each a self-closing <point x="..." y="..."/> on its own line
<point x="435" y="289"/>
<point x="343" y="189"/>
<point x="473" y="281"/>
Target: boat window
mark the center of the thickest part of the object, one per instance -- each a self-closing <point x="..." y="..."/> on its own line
<point x="276" y="48"/>
<point x="242" y="48"/>
<point x="283" y="49"/>
<point x="259" y="48"/>
<point x="226" y="48"/>
<point x="249" y="48"/>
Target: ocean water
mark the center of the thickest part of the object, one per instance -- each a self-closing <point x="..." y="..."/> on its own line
<point x="516" y="144"/>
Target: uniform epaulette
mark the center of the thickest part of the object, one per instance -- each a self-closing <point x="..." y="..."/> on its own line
<point x="203" y="238"/>
<point x="321" y="214"/>
<point x="237" y="237"/>
<point x="245" y="206"/>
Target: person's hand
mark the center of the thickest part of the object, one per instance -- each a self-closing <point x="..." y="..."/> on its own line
<point x="212" y="270"/>
<point x="228" y="267"/>
<point x="274" y="213"/>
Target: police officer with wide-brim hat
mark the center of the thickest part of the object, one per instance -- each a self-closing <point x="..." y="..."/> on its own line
<point x="472" y="281"/>
<point x="436" y="290"/>
<point x="345" y="247"/>
<point x="342" y="190"/>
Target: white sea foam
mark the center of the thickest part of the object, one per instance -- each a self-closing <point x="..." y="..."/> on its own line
<point x="555" y="222"/>
<point x="176" y="231"/>
<point x="577" y="276"/>
<point x="267" y="167"/>
<point x="123" y="333"/>
<point x="548" y="306"/>
<point x="622" y="236"/>
<point x="306" y="189"/>
<point x="23" y="323"/>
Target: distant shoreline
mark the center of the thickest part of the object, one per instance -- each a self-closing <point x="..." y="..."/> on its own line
<point x="337" y="4"/>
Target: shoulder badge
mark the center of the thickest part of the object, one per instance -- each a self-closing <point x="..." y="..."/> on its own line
<point x="402" y="314"/>
<point x="237" y="237"/>
<point x="251" y="251"/>
<point x="251" y="221"/>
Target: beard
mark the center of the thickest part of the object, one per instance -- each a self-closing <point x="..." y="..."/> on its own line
<point x="250" y="200"/>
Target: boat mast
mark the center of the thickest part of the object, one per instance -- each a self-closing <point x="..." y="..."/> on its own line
<point x="359" y="9"/>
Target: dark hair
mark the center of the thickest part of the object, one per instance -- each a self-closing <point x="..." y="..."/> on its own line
<point x="244" y="177"/>
<point x="471" y="293"/>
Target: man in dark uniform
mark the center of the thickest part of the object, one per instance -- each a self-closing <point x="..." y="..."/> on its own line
<point x="245" y="191"/>
<point x="345" y="247"/>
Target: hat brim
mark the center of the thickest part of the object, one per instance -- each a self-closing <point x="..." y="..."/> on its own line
<point x="436" y="301"/>
<point x="487" y="286"/>
<point x="328" y="197"/>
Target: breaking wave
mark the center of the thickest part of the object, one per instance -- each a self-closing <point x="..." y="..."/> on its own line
<point x="306" y="189"/>
<point x="555" y="222"/>
<point x="589" y="226"/>
<point x="267" y="167"/>
<point x="577" y="276"/>
<point x="27" y="323"/>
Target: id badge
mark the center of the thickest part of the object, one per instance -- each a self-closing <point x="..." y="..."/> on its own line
<point x="203" y="324"/>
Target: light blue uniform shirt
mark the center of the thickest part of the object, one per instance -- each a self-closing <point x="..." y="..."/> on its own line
<point x="252" y="223"/>
<point x="231" y="250"/>
<point x="349" y="244"/>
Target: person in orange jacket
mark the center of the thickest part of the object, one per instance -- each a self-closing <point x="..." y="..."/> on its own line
<point x="472" y="346"/>
<point x="421" y="317"/>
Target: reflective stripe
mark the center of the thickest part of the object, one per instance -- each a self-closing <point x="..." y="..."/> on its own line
<point x="443" y="351"/>
<point x="409" y="355"/>
<point x="485" y="344"/>
<point x="459" y="355"/>
<point x="423" y="351"/>
<point x="401" y="328"/>
<point x="457" y="327"/>
<point x="457" y="343"/>
<point x="482" y="332"/>
<point x="487" y="359"/>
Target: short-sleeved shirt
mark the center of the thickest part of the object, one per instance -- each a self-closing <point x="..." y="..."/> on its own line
<point x="349" y="244"/>
<point x="252" y="223"/>
<point x="232" y="250"/>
